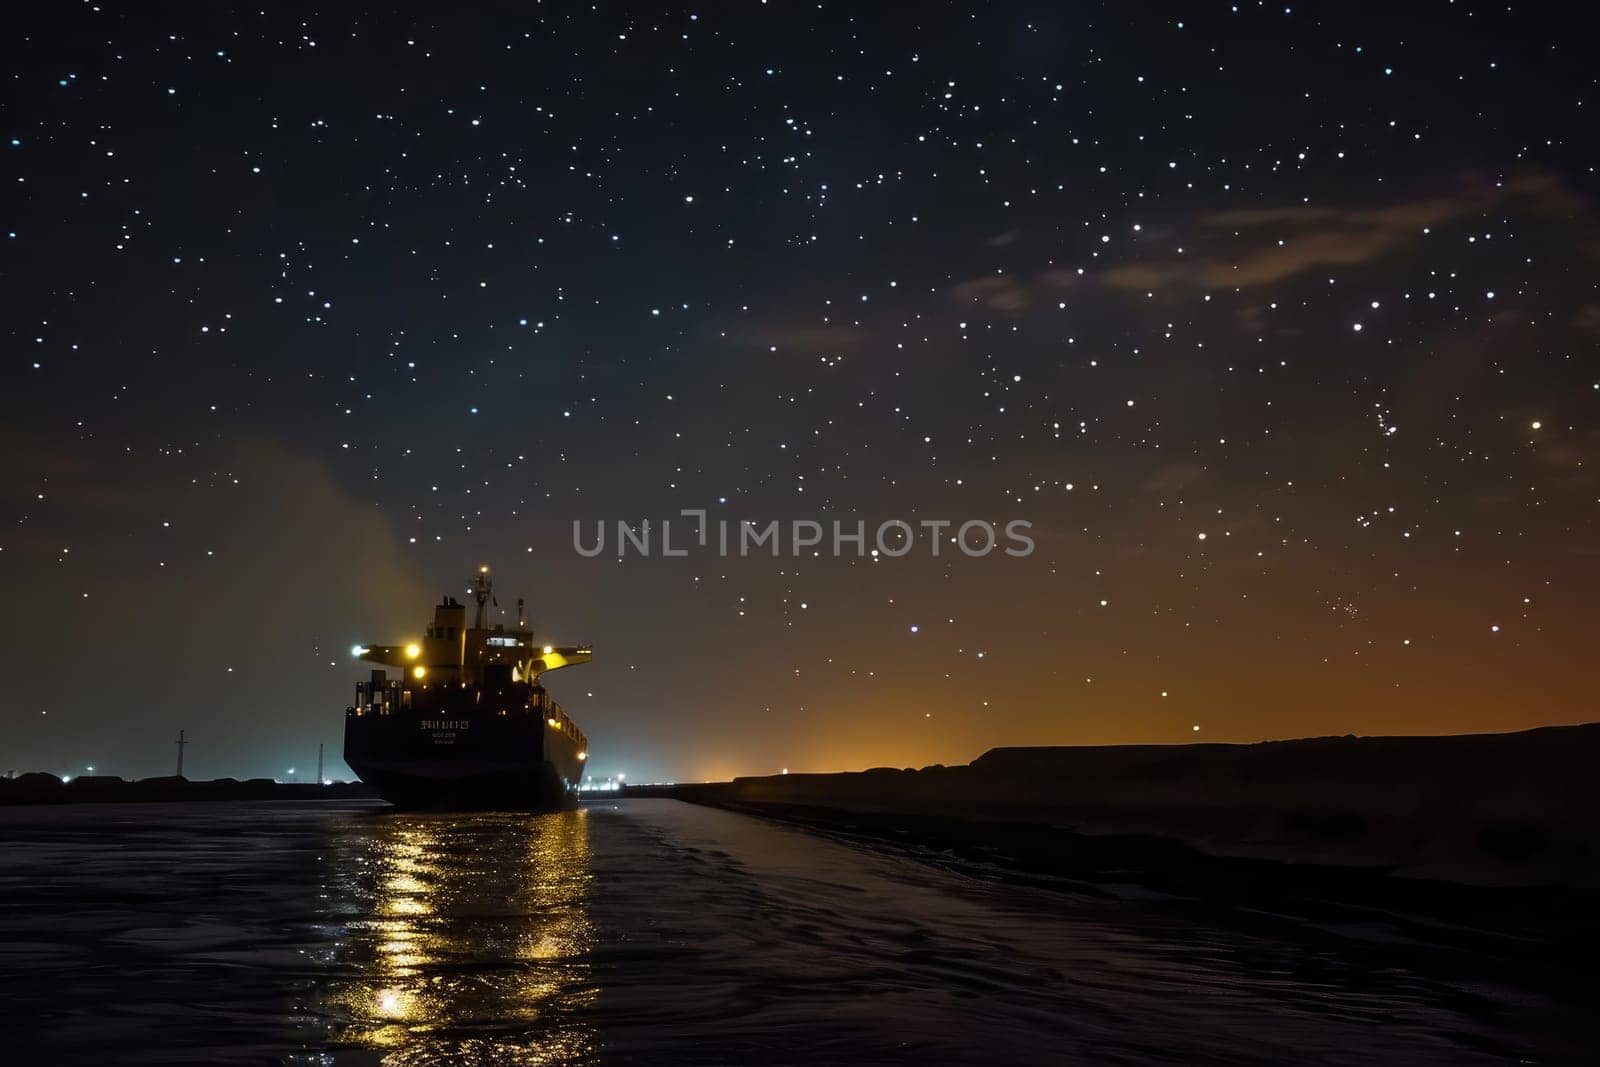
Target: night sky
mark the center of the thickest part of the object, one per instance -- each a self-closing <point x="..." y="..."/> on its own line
<point x="1279" y="325"/>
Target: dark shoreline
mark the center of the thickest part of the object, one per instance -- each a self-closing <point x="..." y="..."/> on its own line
<point x="1480" y="853"/>
<point x="1515" y="809"/>
<point x="101" y="789"/>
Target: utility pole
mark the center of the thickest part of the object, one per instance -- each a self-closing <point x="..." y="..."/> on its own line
<point x="319" y="763"/>
<point x="180" y="743"/>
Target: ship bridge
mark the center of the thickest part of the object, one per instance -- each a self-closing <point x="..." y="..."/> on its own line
<point x="450" y="650"/>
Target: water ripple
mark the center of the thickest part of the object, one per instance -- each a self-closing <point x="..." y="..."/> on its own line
<point x="652" y="932"/>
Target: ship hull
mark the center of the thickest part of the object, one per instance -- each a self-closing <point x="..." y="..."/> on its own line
<point x="461" y="752"/>
<point x="457" y="788"/>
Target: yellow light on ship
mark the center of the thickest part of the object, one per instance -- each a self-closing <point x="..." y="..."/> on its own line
<point x="583" y="755"/>
<point x="549" y="649"/>
<point x="552" y="722"/>
<point x="418" y="671"/>
<point x="483" y="569"/>
<point x="413" y="651"/>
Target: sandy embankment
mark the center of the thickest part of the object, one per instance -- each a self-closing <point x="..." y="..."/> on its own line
<point x="1516" y="808"/>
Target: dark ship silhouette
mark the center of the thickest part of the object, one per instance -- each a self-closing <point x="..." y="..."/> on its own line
<point x="466" y="723"/>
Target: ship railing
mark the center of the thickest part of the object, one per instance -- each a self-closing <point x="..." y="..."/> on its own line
<point x="381" y="698"/>
<point x="388" y="697"/>
<point x="558" y="719"/>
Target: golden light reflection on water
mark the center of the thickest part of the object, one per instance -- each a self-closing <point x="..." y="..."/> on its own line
<point x="471" y="940"/>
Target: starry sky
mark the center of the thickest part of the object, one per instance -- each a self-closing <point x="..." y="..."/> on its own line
<point x="1279" y="324"/>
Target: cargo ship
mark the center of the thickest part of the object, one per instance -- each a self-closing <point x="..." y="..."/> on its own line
<point x="465" y="722"/>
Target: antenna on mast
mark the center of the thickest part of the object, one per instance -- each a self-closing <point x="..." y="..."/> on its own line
<point x="180" y="743"/>
<point x="520" y="621"/>
<point x="482" y="592"/>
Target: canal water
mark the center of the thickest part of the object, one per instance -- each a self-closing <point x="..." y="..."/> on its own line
<point x="651" y="931"/>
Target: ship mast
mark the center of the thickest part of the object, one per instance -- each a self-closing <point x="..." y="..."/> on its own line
<point x="483" y="592"/>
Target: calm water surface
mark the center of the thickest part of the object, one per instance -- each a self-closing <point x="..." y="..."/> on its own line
<point x="652" y="931"/>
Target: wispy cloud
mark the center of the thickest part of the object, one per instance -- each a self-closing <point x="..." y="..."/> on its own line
<point x="1012" y="293"/>
<point x="1274" y="244"/>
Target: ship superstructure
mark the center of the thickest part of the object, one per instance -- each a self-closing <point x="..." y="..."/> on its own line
<point x="465" y="721"/>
